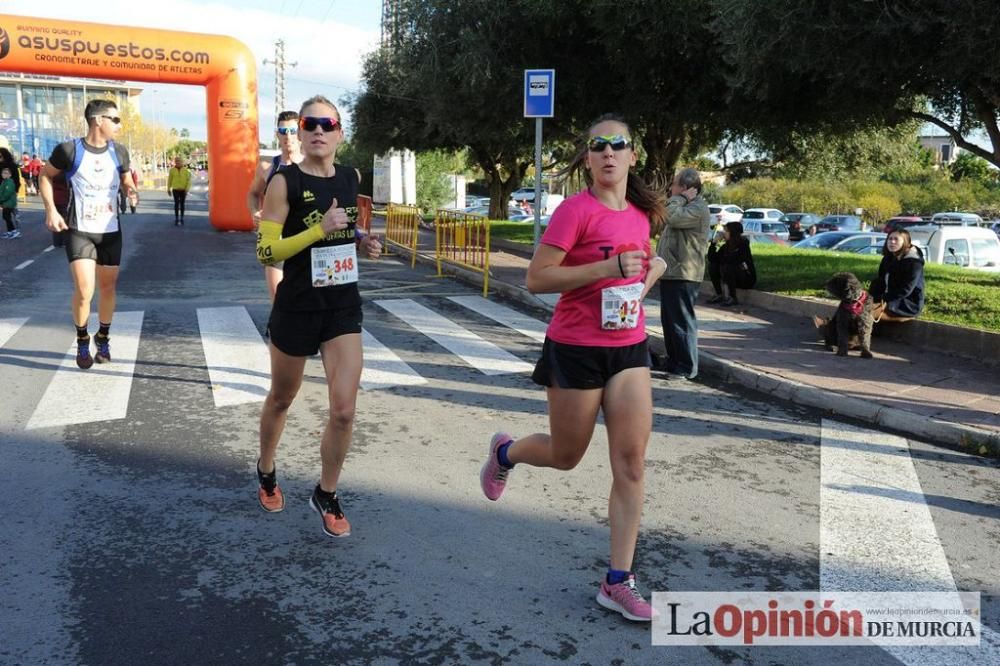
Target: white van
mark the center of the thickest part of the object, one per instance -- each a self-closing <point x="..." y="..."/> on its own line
<point x="963" y="219"/>
<point x="974" y="247"/>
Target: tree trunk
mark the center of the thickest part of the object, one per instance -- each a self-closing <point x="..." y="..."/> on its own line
<point x="500" y="187"/>
<point x="663" y="145"/>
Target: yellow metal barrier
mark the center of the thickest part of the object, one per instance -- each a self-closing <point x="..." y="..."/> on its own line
<point x="402" y="224"/>
<point x="463" y="239"/>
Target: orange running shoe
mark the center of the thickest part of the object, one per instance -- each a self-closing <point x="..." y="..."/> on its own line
<point x="269" y="494"/>
<point x="327" y="505"/>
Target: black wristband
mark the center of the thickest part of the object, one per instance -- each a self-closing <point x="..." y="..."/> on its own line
<point x="620" y="265"/>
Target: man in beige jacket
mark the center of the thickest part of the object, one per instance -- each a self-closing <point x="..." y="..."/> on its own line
<point x="682" y="245"/>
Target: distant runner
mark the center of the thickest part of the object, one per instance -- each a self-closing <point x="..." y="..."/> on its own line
<point x="95" y="168"/>
<point x="291" y="153"/>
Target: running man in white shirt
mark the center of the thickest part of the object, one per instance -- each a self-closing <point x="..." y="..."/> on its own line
<point x="95" y="168"/>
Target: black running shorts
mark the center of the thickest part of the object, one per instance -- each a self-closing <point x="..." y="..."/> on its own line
<point x="105" y="249"/>
<point x="578" y="367"/>
<point x="301" y="333"/>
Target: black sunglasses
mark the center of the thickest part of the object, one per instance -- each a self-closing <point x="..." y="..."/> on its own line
<point x="597" y="144"/>
<point x="310" y="123"/>
<point x="115" y="119"/>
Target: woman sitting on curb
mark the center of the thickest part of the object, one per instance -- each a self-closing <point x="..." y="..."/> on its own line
<point x="898" y="291"/>
<point x="730" y="264"/>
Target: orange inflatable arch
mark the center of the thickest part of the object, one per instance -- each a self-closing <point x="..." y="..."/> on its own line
<point x="223" y="65"/>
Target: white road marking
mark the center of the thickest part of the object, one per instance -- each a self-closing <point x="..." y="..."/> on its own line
<point x="76" y="396"/>
<point x="383" y="368"/>
<point x="49" y="248"/>
<point x="8" y="327"/>
<point x="24" y="264"/>
<point x="523" y="324"/>
<point x="877" y="533"/>
<point x="480" y="354"/>
<point x="239" y="365"/>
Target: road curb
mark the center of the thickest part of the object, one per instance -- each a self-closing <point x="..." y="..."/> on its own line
<point x="967" y="438"/>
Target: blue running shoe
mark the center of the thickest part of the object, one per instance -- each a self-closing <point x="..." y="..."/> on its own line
<point x="83" y="358"/>
<point x="103" y="354"/>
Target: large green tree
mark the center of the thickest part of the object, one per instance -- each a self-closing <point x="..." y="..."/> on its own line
<point x="454" y="79"/>
<point x="866" y="63"/>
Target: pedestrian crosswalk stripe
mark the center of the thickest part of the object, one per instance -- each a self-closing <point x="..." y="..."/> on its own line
<point x="8" y="327"/>
<point x="383" y="368"/>
<point x="523" y="324"/>
<point x="76" y="396"/>
<point x="477" y="352"/>
<point x="239" y="366"/>
<point x="877" y="533"/>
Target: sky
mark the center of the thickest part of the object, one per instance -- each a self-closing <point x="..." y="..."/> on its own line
<point x="328" y="40"/>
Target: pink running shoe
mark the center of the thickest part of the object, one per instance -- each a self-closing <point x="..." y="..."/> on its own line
<point x="493" y="475"/>
<point x="624" y="598"/>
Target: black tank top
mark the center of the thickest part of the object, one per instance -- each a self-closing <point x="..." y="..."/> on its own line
<point x="309" y="197"/>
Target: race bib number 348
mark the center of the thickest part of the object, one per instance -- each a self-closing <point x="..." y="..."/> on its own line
<point x="334" y="265"/>
<point x="620" y="307"/>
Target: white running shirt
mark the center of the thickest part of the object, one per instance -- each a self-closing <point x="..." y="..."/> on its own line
<point x="95" y="192"/>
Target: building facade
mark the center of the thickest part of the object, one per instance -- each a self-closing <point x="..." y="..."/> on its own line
<point x="39" y="112"/>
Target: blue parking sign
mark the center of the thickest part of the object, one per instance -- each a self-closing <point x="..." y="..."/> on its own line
<point x="539" y="93"/>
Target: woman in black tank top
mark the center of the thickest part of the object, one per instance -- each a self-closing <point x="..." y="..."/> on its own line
<point x="317" y="305"/>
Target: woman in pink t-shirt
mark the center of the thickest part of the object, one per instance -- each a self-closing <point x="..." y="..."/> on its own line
<point x="596" y="252"/>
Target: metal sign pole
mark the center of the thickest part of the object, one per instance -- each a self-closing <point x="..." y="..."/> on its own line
<point x="538" y="180"/>
<point x="539" y="102"/>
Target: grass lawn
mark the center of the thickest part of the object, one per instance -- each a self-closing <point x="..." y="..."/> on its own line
<point x="517" y="232"/>
<point x="960" y="296"/>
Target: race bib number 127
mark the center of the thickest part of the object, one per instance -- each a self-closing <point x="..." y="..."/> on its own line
<point x="620" y="307"/>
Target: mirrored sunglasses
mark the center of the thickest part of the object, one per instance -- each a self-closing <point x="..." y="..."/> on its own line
<point x="288" y="130"/>
<point x="597" y="144"/>
<point x="310" y="123"/>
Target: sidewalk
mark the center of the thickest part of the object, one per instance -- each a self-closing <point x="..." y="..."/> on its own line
<point x="932" y="396"/>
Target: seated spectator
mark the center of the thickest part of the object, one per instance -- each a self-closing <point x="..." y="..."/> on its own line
<point x="898" y="290"/>
<point x="730" y="264"/>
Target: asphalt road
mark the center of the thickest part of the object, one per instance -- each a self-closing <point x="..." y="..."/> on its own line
<point x="134" y="536"/>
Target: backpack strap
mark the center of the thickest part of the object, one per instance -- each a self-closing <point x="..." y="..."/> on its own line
<point x="113" y="149"/>
<point x="275" y="165"/>
<point x="78" y="151"/>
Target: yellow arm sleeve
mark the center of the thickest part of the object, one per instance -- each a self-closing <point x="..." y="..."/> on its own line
<point x="271" y="247"/>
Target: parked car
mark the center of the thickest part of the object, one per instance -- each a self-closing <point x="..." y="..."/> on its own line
<point x="839" y="223"/>
<point x="902" y="222"/>
<point x="956" y="245"/>
<point x="473" y="201"/>
<point x="844" y="241"/>
<point x="764" y="239"/>
<point x="724" y="213"/>
<point x="527" y="193"/>
<point x="485" y="210"/>
<point x="996" y="228"/>
<point x="765" y="221"/>
<point x="797" y="224"/>
<point x="961" y="219"/>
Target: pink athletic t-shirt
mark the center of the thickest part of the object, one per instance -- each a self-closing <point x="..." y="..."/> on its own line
<point x="588" y="231"/>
